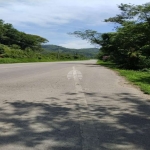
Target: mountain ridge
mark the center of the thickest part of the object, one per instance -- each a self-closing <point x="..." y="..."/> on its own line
<point x="88" y="52"/>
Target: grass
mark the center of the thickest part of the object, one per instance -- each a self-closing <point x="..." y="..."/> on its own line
<point x="27" y="60"/>
<point x="21" y="60"/>
<point x="139" y="78"/>
<point x="8" y="60"/>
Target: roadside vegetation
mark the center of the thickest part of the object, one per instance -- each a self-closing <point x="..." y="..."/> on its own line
<point x="87" y="52"/>
<point x="16" y="46"/>
<point x="127" y="49"/>
<point x="140" y="78"/>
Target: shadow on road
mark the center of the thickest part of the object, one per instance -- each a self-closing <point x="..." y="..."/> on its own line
<point x="122" y="122"/>
<point x="34" y="123"/>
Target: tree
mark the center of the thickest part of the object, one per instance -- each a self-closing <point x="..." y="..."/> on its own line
<point x="129" y="46"/>
<point x="10" y="36"/>
<point x="92" y="36"/>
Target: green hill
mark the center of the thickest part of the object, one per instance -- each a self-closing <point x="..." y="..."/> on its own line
<point x="88" y="52"/>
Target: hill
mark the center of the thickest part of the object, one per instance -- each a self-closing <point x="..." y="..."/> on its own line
<point x="88" y="52"/>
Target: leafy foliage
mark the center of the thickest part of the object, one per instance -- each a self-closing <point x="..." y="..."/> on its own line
<point x="10" y="36"/>
<point x="129" y="46"/>
<point x="16" y="46"/>
<point x="92" y="36"/>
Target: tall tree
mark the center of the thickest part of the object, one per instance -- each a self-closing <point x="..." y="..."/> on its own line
<point x="129" y="46"/>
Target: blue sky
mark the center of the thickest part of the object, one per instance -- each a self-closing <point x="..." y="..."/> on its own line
<point x="53" y="19"/>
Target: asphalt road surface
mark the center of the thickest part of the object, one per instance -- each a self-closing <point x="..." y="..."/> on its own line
<point x="70" y="106"/>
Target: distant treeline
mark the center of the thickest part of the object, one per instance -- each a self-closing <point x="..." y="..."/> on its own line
<point x="27" y="47"/>
<point x="87" y="52"/>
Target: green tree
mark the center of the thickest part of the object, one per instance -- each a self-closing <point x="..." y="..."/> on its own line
<point x="10" y="36"/>
<point x="129" y="46"/>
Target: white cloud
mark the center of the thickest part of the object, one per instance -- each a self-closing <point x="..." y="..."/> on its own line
<point x="60" y="16"/>
<point x="76" y="44"/>
<point x="45" y="12"/>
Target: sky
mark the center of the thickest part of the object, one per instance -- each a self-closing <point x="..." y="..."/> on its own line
<point x="54" y="19"/>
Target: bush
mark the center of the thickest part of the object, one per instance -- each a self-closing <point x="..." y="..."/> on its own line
<point x="3" y="48"/>
<point x="144" y="62"/>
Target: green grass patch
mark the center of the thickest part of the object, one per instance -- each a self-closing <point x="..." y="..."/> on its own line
<point x="28" y="60"/>
<point x="139" y="78"/>
<point x="8" y="60"/>
<point x="21" y="60"/>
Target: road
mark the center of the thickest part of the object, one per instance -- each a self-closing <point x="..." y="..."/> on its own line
<point x="70" y="106"/>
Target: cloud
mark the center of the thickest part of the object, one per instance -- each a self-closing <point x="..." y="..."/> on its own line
<point x="59" y="12"/>
<point x="77" y="44"/>
<point x="39" y="14"/>
<point x="54" y="18"/>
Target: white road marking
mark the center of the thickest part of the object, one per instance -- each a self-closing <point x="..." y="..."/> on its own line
<point x="88" y="131"/>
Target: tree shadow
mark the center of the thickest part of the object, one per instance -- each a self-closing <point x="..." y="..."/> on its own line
<point x="124" y="121"/>
<point x="121" y="121"/>
<point x="33" y="123"/>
